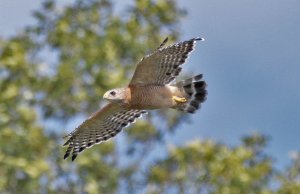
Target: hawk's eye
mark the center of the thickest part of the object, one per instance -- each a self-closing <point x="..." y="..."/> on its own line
<point x="112" y="93"/>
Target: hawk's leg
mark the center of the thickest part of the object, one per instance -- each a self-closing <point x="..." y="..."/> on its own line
<point x="179" y="99"/>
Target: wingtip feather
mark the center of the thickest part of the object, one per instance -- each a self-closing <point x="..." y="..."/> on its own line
<point x="66" y="155"/>
<point x="163" y="43"/>
<point x="200" y="39"/>
<point x="74" y="157"/>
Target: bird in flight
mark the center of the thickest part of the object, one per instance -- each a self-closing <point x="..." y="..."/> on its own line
<point x="151" y="87"/>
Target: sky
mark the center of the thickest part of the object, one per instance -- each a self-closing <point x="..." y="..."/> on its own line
<point x="250" y="61"/>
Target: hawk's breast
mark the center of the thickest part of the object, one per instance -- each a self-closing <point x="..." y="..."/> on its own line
<point x="150" y="97"/>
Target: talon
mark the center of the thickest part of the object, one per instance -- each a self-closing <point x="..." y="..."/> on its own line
<point x="179" y="99"/>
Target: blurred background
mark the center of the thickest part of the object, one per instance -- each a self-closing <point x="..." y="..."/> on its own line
<point x="57" y="58"/>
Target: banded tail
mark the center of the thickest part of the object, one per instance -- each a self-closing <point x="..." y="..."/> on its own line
<point x="194" y="89"/>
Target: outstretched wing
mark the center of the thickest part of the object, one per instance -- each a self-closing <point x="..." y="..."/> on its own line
<point x="102" y="125"/>
<point x="163" y="65"/>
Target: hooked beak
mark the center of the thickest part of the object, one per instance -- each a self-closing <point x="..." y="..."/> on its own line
<point x="105" y="96"/>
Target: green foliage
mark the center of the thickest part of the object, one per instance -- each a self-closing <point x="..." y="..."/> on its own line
<point x="59" y="68"/>
<point x="204" y="166"/>
<point x="289" y="180"/>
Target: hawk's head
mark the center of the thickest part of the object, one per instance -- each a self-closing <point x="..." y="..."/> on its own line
<point x="115" y="95"/>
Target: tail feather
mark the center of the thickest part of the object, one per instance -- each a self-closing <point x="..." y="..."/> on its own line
<point x="195" y="91"/>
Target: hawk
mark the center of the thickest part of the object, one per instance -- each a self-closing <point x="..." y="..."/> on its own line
<point x="151" y="87"/>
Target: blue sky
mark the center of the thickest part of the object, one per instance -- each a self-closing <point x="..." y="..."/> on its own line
<point x="250" y="60"/>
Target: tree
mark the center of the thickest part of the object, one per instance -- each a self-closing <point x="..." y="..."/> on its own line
<point x="57" y="70"/>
